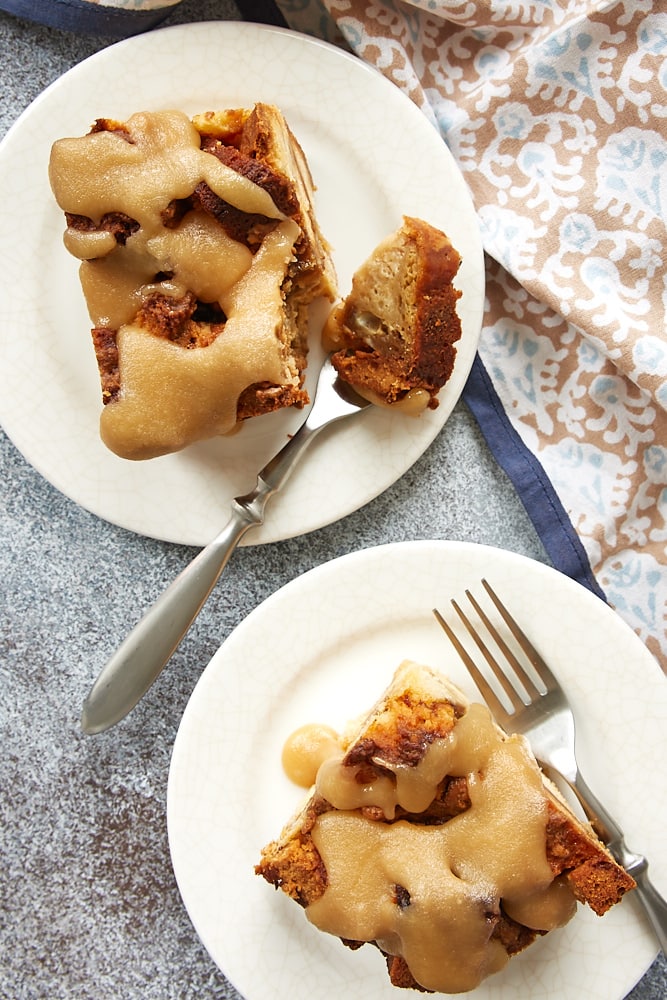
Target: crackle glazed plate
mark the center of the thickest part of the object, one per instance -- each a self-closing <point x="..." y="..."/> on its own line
<point x="374" y="158"/>
<point x="322" y="650"/>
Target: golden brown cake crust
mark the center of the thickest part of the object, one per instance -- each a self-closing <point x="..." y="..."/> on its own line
<point x="403" y="730"/>
<point x="592" y="873"/>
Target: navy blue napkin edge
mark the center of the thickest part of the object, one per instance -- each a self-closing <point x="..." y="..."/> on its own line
<point x="544" y="508"/>
<point x="84" y="18"/>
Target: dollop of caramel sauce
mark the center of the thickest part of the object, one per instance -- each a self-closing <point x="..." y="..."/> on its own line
<point x="171" y="395"/>
<point x="306" y="750"/>
<point x="413" y="404"/>
<point x="431" y="893"/>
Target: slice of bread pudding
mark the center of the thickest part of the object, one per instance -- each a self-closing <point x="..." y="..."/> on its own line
<point x="394" y="336"/>
<point x="433" y="835"/>
<point x="200" y="256"/>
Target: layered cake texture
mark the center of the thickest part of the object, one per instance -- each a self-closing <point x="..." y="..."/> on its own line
<point x="200" y="257"/>
<point x="394" y="336"/>
<point x="434" y="836"/>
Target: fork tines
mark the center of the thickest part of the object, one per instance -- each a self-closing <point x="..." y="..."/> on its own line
<point x="531" y="689"/>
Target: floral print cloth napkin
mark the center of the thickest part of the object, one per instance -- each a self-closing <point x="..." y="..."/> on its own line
<point x="556" y="112"/>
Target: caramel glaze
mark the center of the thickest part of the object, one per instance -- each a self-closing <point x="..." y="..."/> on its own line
<point x="306" y="749"/>
<point x="161" y="225"/>
<point x="434" y="836"/>
<point x="431" y="893"/>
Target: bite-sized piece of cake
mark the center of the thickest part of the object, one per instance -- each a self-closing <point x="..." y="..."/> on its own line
<point x="394" y="335"/>
<point x="201" y="255"/>
<point x="435" y="836"/>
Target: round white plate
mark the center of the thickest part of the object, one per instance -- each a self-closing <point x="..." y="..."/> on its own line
<point x="374" y="157"/>
<point x="322" y="649"/>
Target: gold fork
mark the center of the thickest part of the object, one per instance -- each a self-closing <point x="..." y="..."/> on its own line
<point x="544" y="716"/>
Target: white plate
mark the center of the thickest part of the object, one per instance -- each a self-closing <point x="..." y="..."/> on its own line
<point x="374" y="157"/>
<point x="321" y="650"/>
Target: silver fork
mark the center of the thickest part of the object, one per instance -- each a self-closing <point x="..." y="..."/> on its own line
<point x="546" y="719"/>
<point x="143" y="654"/>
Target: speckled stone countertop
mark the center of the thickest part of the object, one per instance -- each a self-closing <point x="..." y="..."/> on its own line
<point x="89" y="907"/>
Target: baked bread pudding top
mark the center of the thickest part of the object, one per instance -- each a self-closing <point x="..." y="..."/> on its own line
<point x="200" y="255"/>
<point x="434" y="836"/>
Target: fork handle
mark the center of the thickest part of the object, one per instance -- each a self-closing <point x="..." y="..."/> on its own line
<point x="655" y="906"/>
<point x="145" y="651"/>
